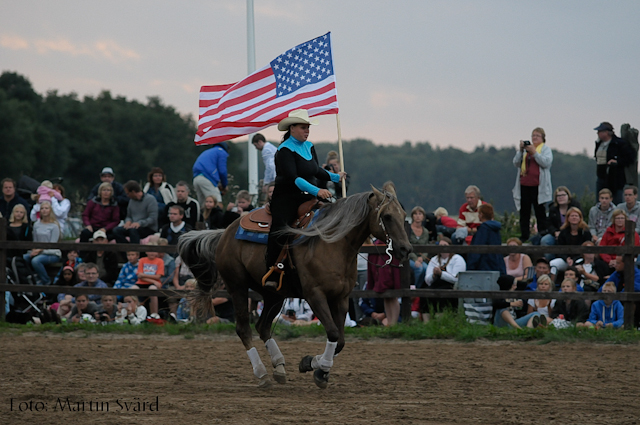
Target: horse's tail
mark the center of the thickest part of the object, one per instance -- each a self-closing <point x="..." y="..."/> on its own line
<point x="198" y="251"/>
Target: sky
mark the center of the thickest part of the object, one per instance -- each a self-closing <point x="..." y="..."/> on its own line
<point x="453" y="73"/>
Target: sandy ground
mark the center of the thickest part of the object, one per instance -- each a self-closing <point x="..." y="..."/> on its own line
<point x="118" y="380"/>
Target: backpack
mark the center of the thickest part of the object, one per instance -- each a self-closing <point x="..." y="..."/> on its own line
<point x="22" y="273"/>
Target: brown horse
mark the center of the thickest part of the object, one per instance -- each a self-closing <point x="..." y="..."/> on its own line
<point x="325" y="261"/>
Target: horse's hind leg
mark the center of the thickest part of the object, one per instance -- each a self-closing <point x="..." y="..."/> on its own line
<point x="243" y="329"/>
<point x="272" y="306"/>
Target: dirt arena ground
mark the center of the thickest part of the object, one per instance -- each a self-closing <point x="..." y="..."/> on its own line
<point x="209" y="380"/>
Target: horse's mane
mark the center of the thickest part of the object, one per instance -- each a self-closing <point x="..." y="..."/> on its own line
<point x="336" y="220"/>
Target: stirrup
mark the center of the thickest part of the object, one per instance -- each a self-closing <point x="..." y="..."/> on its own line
<point x="276" y="284"/>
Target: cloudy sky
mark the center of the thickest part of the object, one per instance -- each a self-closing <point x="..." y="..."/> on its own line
<point x="454" y="73"/>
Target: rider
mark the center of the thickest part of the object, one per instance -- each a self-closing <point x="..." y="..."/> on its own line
<point x="296" y="172"/>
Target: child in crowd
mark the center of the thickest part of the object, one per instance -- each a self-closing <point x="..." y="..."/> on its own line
<point x="169" y="264"/>
<point x="83" y="306"/>
<point x="605" y="313"/>
<point x="130" y="311"/>
<point x="544" y="307"/>
<point x="45" y="191"/>
<point x="150" y="272"/>
<point x="73" y="261"/>
<point x="184" y="306"/>
<point x="129" y="273"/>
<point x="211" y="214"/>
<point x="109" y="310"/>
<point x="67" y="278"/>
<point x="575" y="311"/>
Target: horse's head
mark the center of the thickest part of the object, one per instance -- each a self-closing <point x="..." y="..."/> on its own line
<point x="386" y="221"/>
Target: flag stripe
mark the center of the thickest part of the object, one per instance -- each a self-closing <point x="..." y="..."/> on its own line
<point x="300" y="78"/>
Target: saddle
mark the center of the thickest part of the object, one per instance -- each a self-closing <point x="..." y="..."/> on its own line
<point x="259" y="220"/>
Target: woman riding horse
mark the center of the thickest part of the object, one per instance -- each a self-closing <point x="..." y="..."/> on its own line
<point x="297" y="169"/>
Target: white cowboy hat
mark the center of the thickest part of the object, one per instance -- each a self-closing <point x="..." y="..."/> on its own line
<point x="299" y="116"/>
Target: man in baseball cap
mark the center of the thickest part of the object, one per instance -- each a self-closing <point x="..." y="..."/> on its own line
<point x="612" y="155"/>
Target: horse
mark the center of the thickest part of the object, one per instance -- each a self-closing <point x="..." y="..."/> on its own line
<point x="324" y="256"/>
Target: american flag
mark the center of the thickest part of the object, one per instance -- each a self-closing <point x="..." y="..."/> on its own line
<point x="300" y="78"/>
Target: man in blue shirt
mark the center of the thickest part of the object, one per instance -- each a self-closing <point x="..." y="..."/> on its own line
<point x="617" y="277"/>
<point x="210" y="173"/>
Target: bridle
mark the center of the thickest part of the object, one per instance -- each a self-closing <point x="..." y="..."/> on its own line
<point x="388" y="198"/>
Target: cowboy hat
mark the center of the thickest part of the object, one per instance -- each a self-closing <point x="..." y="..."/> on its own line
<point x="299" y="116"/>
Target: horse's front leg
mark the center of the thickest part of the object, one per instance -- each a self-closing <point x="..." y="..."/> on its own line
<point x="272" y="306"/>
<point x="322" y="363"/>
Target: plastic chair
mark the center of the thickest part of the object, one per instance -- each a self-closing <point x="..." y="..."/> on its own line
<point x="478" y="310"/>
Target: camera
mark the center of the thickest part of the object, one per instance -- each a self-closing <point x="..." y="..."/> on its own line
<point x="526" y="142"/>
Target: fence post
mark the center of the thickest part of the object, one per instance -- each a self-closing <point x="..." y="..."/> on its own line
<point x="629" y="275"/>
<point x="3" y="264"/>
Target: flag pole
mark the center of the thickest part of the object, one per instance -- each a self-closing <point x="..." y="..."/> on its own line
<point x="341" y="153"/>
<point x="252" y="152"/>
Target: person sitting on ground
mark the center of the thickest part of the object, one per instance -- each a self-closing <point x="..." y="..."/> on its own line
<point x="575" y="311"/>
<point x="107" y="313"/>
<point x="150" y="272"/>
<point x="162" y="191"/>
<point x="295" y="311"/>
<point x="445" y="225"/>
<point x="544" y="307"/>
<point x="574" y="231"/>
<point x="10" y="198"/>
<point x="509" y="312"/>
<point x="617" y="277"/>
<point x="92" y="281"/>
<point x="631" y="206"/>
<point x="190" y="206"/>
<point x="60" y="205"/>
<point x="67" y="277"/>
<point x="73" y="260"/>
<point x="107" y="261"/>
<point x="18" y="229"/>
<point x="181" y="274"/>
<point x="176" y="226"/>
<point x="558" y="210"/>
<point x="542" y="268"/>
<point x="83" y="306"/>
<point x="573" y="274"/>
<point x="169" y="265"/>
<point x="593" y="271"/>
<point x="130" y="311"/>
<point x="184" y="311"/>
<point x="119" y="194"/>
<point x="516" y="263"/>
<point x="614" y="235"/>
<point x="418" y="236"/>
<point x="101" y="213"/>
<point x="468" y="221"/>
<point x="142" y="215"/>
<point x="605" y="313"/>
<point x="45" y="229"/>
<point x="442" y="273"/>
<point x="488" y="233"/>
<point x="212" y="214"/>
<point x="128" y="275"/>
<point x="600" y="215"/>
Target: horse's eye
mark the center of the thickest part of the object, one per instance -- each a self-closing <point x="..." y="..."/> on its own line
<point x="386" y="217"/>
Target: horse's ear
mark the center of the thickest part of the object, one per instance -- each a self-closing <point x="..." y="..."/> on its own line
<point x="376" y="192"/>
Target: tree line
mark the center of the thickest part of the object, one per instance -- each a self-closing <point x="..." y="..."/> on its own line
<point x="52" y="135"/>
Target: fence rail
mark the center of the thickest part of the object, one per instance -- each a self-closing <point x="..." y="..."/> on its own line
<point x="628" y="251"/>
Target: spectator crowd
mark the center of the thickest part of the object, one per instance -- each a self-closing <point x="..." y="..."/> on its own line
<point x="158" y="213"/>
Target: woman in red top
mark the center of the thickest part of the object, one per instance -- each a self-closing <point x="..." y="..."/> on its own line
<point x="101" y="213"/>
<point x="614" y="235"/>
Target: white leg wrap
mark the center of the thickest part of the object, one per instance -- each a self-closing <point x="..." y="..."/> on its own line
<point x="258" y="367"/>
<point x="274" y="351"/>
<point x="326" y="360"/>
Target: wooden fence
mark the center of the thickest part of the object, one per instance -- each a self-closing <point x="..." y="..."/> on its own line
<point x="628" y="251"/>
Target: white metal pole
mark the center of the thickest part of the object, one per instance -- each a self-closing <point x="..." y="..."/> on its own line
<point x="341" y="153"/>
<point x="252" y="152"/>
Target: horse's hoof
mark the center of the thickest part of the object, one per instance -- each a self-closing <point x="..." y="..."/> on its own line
<point x="321" y="378"/>
<point x="265" y="382"/>
<point x="305" y="364"/>
<point x="280" y="375"/>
